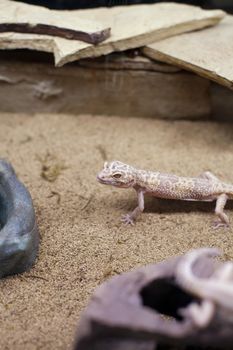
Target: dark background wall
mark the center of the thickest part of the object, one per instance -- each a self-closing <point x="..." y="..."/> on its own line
<point x="75" y="4"/>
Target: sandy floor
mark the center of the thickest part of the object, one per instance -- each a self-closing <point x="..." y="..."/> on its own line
<point x="82" y="239"/>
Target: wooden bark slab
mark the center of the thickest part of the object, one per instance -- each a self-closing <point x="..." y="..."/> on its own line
<point x="115" y="84"/>
<point x="22" y="18"/>
<point x="131" y="27"/>
<point x="208" y="53"/>
<point x="127" y="88"/>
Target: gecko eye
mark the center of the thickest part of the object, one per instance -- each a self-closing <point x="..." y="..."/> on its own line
<point x="117" y="175"/>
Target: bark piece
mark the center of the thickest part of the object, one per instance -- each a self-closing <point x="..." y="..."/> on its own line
<point x="131" y="27"/>
<point x="207" y="52"/>
<point x="22" y="18"/>
<point x="117" y="87"/>
<point x="141" y="308"/>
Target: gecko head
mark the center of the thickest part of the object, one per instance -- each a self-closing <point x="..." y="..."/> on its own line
<point x="117" y="174"/>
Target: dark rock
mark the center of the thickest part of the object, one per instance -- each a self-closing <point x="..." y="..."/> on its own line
<point x="19" y="238"/>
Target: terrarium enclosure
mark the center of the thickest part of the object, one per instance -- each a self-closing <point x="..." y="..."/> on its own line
<point x="146" y="84"/>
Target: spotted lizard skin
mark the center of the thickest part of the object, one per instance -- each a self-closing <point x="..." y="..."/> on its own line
<point x="205" y="187"/>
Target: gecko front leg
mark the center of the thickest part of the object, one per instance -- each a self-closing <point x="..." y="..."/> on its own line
<point x="131" y="217"/>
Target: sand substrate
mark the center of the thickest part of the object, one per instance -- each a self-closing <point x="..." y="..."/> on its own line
<point x="82" y="239"/>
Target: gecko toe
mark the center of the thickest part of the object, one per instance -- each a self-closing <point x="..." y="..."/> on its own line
<point x="126" y="219"/>
<point x="219" y="224"/>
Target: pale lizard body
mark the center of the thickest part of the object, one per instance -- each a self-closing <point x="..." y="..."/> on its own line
<point x="216" y="291"/>
<point x="206" y="187"/>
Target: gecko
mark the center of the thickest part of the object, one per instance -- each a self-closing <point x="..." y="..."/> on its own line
<point x="215" y="292"/>
<point x="205" y="187"/>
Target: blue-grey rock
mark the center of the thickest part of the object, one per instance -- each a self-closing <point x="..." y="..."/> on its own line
<point x="19" y="237"/>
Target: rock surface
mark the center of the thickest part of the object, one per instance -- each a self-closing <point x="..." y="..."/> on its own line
<point x="131" y="27"/>
<point x="211" y="58"/>
<point x="140" y="310"/>
<point x="19" y="237"/>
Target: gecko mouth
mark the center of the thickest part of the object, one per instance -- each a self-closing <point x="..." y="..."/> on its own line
<point x="105" y="182"/>
<point x="114" y="183"/>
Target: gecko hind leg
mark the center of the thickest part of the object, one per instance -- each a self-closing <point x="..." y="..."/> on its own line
<point x="223" y="220"/>
<point x="208" y="176"/>
<point x="130" y="218"/>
